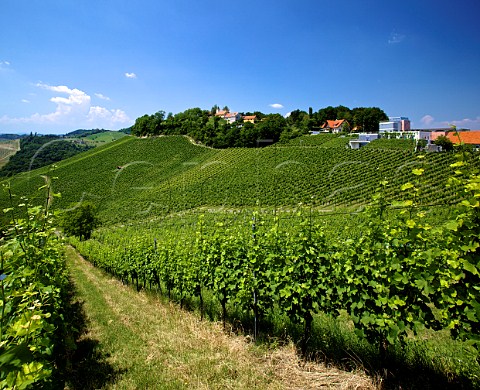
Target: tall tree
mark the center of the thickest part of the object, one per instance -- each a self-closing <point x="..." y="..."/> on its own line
<point x="368" y="118"/>
<point x="214" y="109"/>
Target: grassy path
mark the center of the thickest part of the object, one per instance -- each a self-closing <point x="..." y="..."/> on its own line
<point x="137" y="341"/>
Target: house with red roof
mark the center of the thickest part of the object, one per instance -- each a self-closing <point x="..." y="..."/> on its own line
<point x="471" y="137"/>
<point x="230" y="117"/>
<point x="221" y="113"/>
<point x="336" y="126"/>
<point x="250" y="118"/>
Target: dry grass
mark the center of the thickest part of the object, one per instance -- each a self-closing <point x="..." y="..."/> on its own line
<point x="157" y="345"/>
<point x="7" y="150"/>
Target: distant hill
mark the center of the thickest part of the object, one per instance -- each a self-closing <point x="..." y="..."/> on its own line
<point x="40" y="150"/>
<point x="135" y="178"/>
<point x="84" y="133"/>
<point x="11" y="136"/>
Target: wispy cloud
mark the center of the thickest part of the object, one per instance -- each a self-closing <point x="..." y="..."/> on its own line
<point x="427" y="120"/>
<point x="74" y="108"/>
<point x="25" y="101"/>
<point x="468" y="123"/>
<point x="101" y="96"/>
<point x="396" y="38"/>
<point x="130" y="75"/>
<point x="276" y="105"/>
<point x="5" y="63"/>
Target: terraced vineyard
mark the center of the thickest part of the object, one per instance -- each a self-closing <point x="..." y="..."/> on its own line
<point x="309" y="140"/>
<point x="135" y="178"/>
<point x="383" y="143"/>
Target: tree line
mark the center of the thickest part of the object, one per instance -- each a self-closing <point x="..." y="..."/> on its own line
<point x="206" y="128"/>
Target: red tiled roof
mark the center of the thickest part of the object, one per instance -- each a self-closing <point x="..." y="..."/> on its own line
<point x="333" y="124"/>
<point x="467" y="137"/>
<point x="249" y="117"/>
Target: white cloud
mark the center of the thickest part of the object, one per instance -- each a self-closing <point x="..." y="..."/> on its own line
<point x="276" y="105"/>
<point x="427" y="120"/>
<point x="396" y="38"/>
<point x="74" y="109"/>
<point x="25" y="101"/>
<point x="69" y="109"/>
<point x="6" y="63"/>
<point x="101" y="96"/>
<point x="468" y="123"/>
<point x="130" y="75"/>
<point x="102" y="115"/>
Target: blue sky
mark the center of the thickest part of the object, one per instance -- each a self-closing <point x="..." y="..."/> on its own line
<point x="70" y="64"/>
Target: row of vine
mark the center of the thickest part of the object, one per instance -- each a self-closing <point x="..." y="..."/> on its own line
<point x="34" y="285"/>
<point x="402" y="275"/>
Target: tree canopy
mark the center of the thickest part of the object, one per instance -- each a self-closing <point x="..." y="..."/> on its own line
<point x="80" y="220"/>
<point x="204" y="127"/>
<point x="444" y="142"/>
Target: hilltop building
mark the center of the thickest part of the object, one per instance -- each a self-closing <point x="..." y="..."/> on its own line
<point x="467" y="137"/>
<point x="394" y="124"/>
<point x="363" y="139"/>
<point x="250" y="118"/>
<point x="336" y="126"/>
<point x="230" y="117"/>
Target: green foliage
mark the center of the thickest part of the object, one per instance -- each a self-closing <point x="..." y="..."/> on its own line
<point x="80" y="220"/>
<point x="459" y="279"/>
<point x="362" y="118"/>
<point x="444" y="142"/>
<point x="33" y="286"/>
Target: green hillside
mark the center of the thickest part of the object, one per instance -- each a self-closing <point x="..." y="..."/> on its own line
<point x="135" y="178"/>
<point x="102" y="137"/>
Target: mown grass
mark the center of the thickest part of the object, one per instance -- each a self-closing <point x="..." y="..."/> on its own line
<point x="430" y="360"/>
<point x="142" y="342"/>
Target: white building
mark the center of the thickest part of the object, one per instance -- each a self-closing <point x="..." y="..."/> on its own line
<point x="362" y="140"/>
<point x="394" y="124"/>
<point x="415" y="135"/>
